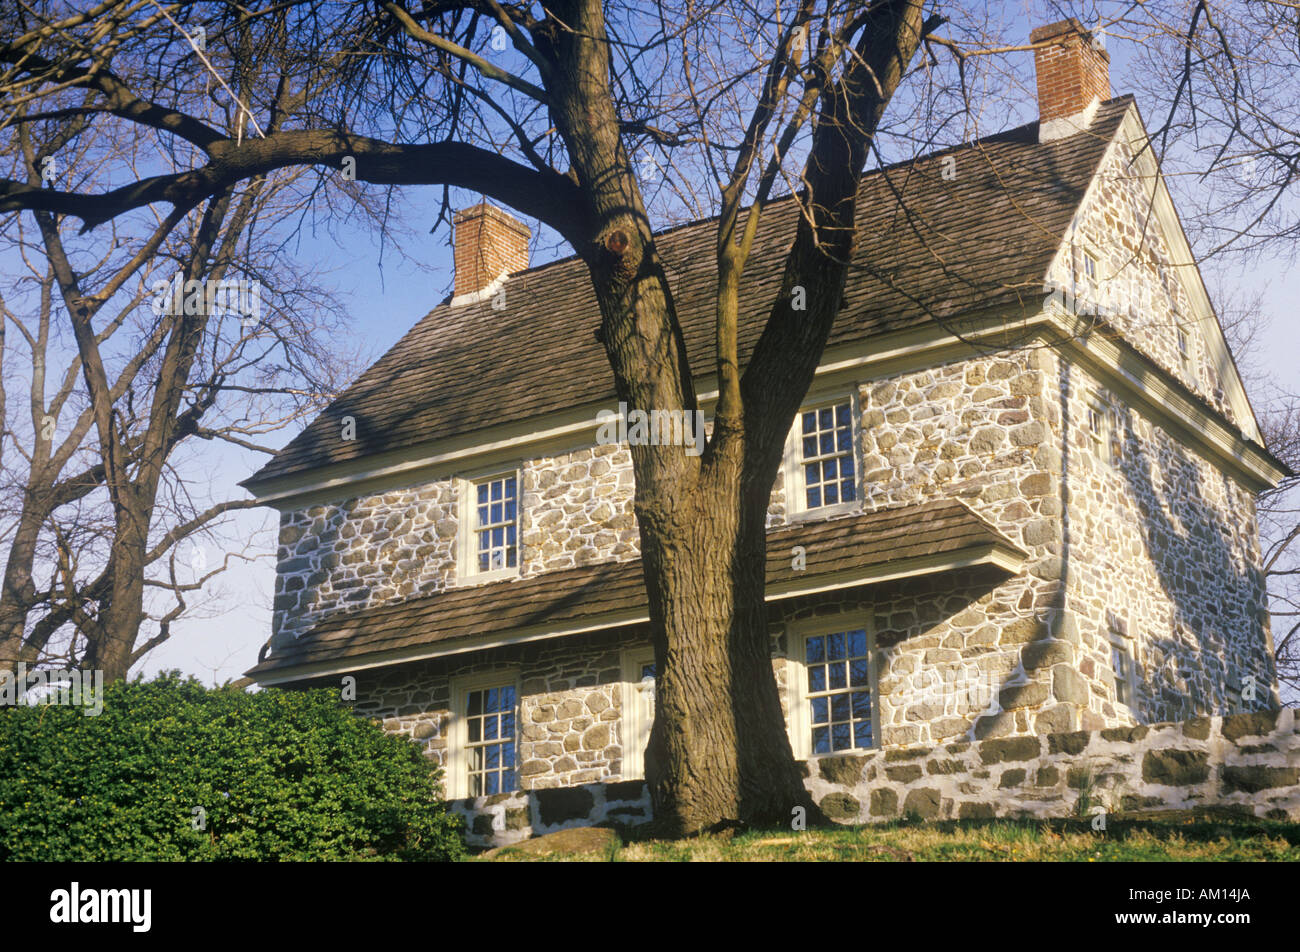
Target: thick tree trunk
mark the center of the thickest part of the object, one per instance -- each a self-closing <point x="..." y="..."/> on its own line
<point x="719" y="754"/>
<point x="110" y="645"/>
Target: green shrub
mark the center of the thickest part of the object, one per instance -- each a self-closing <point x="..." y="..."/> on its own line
<point x="279" y="775"/>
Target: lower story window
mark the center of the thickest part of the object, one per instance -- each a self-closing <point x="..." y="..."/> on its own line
<point x="638" y="709"/>
<point x="837" y="667"/>
<point x="490" y="740"/>
<point x="1122" y="662"/>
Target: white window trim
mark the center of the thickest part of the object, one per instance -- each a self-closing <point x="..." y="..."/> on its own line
<point x="1086" y="255"/>
<point x="1089" y="289"/>
<point x="795" y="498"/>
<point x="1186" y="358"/>
<point x="456" y="769"/>
<point x="630" y="725"/>
<point x="797" y="678"/>
<point x="467" y="527"/>
<point x="1117" y="635"/>
<point x="1110" y="448"/>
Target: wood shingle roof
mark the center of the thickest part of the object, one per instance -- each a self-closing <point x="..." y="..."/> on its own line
<point x="840" y="553"/>
<point x="937" y="238"/>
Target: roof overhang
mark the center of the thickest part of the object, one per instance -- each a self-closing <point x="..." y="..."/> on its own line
<point x="979" y="545"/>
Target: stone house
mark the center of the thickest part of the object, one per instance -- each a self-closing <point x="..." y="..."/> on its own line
<point x="1020" y="499"/>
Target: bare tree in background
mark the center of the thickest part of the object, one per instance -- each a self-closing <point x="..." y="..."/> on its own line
<point x="106" y="519"/>
<point x="1221" y="83"/>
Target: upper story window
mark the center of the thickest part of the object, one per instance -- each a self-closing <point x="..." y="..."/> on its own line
<point x="833" y="705"/>
<point x="1099" y="429"/>
<point x="1104" y="431"/>
<point x="825" y="472"/>
<point x="495" y="525"/>
<point x="1089" y="267"/>
<point x="1184" y="348"/>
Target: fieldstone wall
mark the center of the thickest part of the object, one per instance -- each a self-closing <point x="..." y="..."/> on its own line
<point x="364" y="551"/>
<point x="1159" y="541"/>
<point x="510" y="817"/>
<point x="575" y="509"/>
<point x="570" y="700"/>
<point x="981" y="430"/>
<point x="1138" y="274"/>
<point x="1160" y="538"/>
<point x="956" y="656"/>
<point x="1246" y="762"/>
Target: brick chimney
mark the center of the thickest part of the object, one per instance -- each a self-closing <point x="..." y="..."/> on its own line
<point x="1073" y="74"/>
<point x="487" y="243"/>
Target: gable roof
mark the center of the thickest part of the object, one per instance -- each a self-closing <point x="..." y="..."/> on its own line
<point x="935" y="237"/>
<point x="867" y="548"/>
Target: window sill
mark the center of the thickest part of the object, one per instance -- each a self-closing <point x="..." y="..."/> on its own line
<point x="482" y="578"/>
<point x="825" y="512"/>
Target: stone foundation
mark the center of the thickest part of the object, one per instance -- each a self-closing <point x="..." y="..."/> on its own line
<point x="1243" y="762"/>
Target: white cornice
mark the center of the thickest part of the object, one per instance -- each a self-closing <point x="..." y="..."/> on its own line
<point x="1165" y="401"/>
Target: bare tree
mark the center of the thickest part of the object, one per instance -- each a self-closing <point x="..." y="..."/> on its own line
<point x="100" y="501"/>
<point x="1223" y="82"/>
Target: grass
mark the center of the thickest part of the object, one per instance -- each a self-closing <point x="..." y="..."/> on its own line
<point x="1174" y="838"/>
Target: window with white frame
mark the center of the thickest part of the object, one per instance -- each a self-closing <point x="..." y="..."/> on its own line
<point x="638" y="709"/>
<point x="1089" y="267"/>
<point x="1122" y="663"/>
<point x="834" y="692"/>
<point x="1103" y="431"/>
<point x="1184" y="347"/>
<point x="495" y="518"/>
<point x="483" y="752"/>
<point x="824" y="471"/>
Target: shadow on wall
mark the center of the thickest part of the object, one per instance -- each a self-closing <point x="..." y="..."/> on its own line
<point x="1200" y="553"/>
<point x="1209" y="645"/>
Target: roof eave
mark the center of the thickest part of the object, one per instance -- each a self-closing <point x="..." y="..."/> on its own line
<point x="996" y="553"/>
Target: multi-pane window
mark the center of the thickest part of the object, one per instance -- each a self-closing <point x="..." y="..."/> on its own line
<point x="1089" y="267"/>
<point x="1184" y="348"/>
<point x="1103" y="434"/>
<point x="1098" y="430"/>
<point x="826" y="456"/>
<point x="495" y="523"/>
<point x="1122" y="663"/>
<point x="839" y="691"/>
<point x="490" y="740"/>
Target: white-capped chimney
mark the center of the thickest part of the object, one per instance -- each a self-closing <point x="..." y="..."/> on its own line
<point x="487" y="244"/>
<point x="1073" y="70"/>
